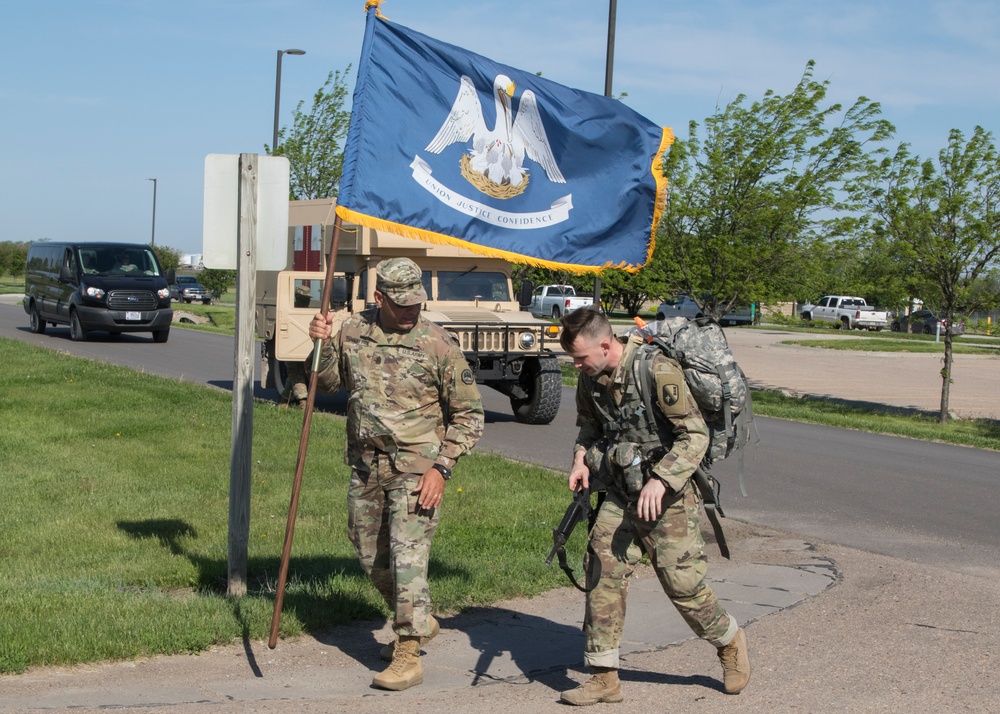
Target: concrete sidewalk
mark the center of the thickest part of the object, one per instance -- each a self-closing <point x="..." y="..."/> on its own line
<point x="512" y="642"/>
<point x="830" y="629"/>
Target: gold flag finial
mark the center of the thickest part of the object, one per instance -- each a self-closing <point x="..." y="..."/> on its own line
<point x="375" y="4"/>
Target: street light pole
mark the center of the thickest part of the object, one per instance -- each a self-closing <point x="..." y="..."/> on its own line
<point x="277" y="94"/>
<point x="152" y="238"/>
<point x="609" y="66"/>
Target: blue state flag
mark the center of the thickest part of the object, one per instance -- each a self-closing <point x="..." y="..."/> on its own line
<point x="448" y="146"/>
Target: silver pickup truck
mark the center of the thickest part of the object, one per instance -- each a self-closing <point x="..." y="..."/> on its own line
<point x="556" y="300"/>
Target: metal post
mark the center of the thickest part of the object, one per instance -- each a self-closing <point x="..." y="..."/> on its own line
<point x="152" y="238"/>
<point x="277" y="94"/>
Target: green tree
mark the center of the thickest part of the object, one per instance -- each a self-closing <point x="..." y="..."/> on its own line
<point x="217" y="281"/>
<point x="167" y="257"/>
<point x="942" y="217"/>
<point x="13" y="256"/>
<point x="984" y="293"/>
<point x="315" y="144"/>
<point x="751" y="202"/>
<point x="632" y="290"/>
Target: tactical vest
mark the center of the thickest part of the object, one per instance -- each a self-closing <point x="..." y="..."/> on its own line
<point x="628" y="421"/>
<point x="632" y="433"/>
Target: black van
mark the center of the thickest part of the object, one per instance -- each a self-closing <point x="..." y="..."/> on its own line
<point x="115" y="287"/>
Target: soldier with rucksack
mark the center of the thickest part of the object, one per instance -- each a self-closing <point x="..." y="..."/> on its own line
<point x="652" y="506"/>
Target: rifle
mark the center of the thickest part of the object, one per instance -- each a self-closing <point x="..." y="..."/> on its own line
<point x="578" y="510"/>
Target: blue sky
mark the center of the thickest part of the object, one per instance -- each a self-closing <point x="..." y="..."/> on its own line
<point x="98" y="96"/>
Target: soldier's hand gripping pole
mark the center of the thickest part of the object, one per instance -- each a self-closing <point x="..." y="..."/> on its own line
<point x="286" y="551"/>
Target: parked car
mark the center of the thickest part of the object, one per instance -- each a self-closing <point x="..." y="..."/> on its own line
<point x="685" y="306"/>
<point x="926" y="322"/>
<point x="188" y="289"/>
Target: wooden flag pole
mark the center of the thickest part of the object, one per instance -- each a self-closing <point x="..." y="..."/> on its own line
<point x="286" y="551"/>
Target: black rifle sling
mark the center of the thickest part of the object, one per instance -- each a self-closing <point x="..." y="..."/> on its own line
<point x="710" y="499"/>
<point x="593" y="573"/>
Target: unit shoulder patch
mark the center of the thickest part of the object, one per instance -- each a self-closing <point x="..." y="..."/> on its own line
<point x="671" y="390"/>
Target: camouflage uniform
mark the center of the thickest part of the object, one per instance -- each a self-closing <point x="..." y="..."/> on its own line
<point x="619" y="537"/>
<point x="413" y="402"/>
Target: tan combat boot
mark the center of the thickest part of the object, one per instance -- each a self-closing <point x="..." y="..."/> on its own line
<point x="386" y="652"/>
<point x="735" y="658"/>
<point x="602" y="687"/>
<point x="404" y="671"/>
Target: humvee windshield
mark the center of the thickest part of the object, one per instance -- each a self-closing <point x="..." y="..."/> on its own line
<point x="470" y="285"/>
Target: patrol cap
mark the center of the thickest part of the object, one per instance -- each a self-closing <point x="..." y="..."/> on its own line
<point x="399" y="280"/>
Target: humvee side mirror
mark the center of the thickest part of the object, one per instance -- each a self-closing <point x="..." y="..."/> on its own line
<point x="338" y="290"/>
<point x="524" y="293"/>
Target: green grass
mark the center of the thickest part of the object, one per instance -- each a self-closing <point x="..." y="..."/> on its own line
<point x="115" y="519"/>
<point x="979" y="433"/>
<point x="222" y="318"/>
<point x="908" y="343"/>
<point x="10" y="285"/>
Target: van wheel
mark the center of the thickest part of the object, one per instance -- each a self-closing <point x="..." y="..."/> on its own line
<point x="161" y="335"/>
<point x="76" y="330"/>
<point x="37" y="323"/>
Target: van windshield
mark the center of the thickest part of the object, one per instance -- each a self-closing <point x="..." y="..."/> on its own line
<point x="118" y="261"/>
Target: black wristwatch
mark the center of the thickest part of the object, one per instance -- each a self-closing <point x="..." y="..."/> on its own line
<point x="443" y="470"/>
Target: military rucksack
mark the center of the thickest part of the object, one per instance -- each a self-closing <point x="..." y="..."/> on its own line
<point x="712" y="374"/>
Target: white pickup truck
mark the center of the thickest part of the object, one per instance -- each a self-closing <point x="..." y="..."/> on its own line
<point x="556" y="300"/>
<point x="850" y="313"/>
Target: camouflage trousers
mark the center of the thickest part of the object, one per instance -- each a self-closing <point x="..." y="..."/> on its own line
<point x="392" y="536"/>
<point x="676" y="551"/>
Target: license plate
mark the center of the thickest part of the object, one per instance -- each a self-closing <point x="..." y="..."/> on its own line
<point x="133" y="315"/>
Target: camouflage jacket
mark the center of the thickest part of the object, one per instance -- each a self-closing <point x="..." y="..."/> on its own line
<point x="410" y="394"/>
<point x="682" y="431"/>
